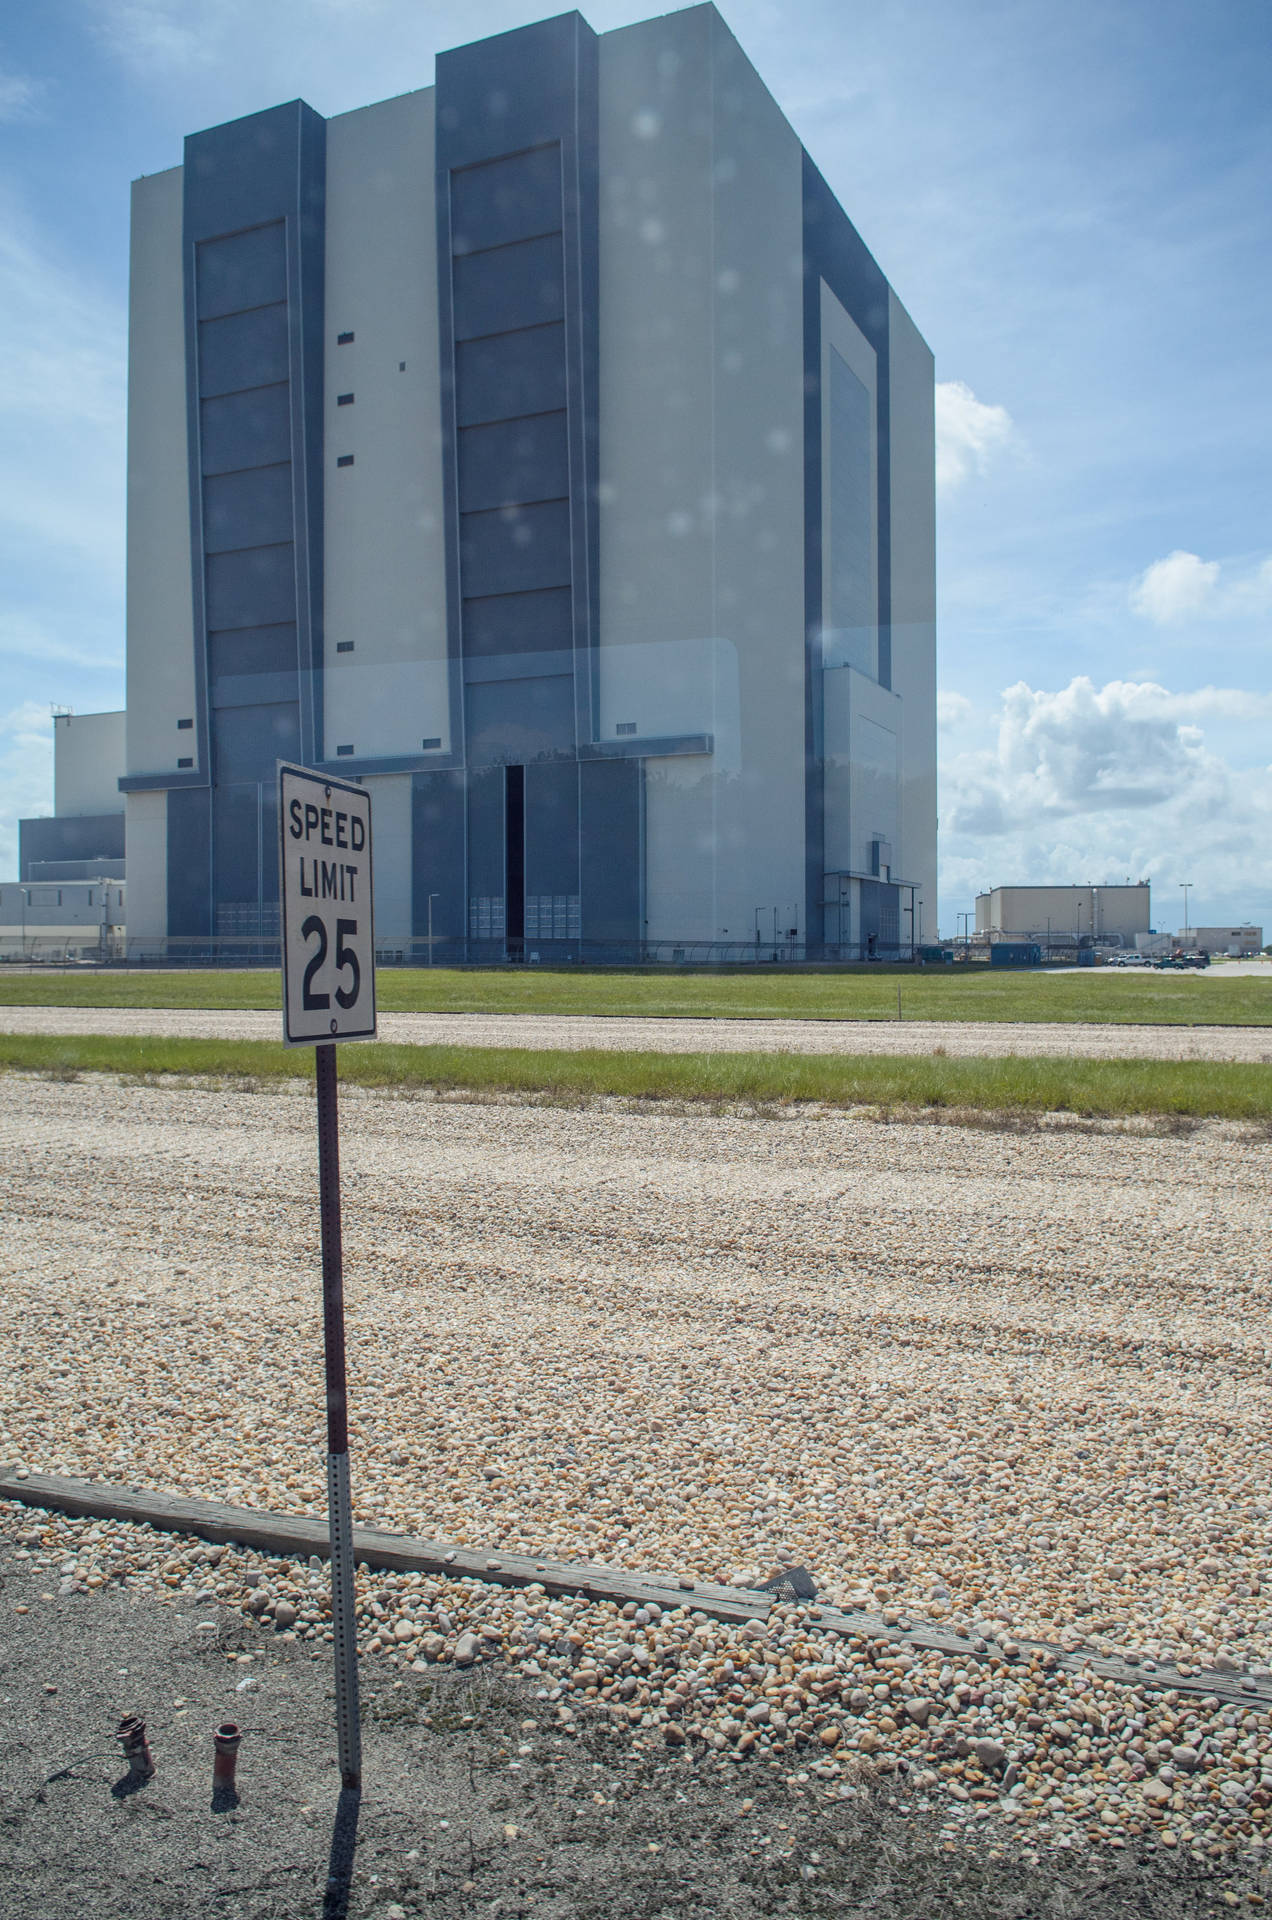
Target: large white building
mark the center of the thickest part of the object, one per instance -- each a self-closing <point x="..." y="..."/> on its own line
<point x="545" y="450"/>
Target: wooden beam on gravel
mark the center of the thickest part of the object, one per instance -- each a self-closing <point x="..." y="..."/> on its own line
<point x="296" y="1536"/>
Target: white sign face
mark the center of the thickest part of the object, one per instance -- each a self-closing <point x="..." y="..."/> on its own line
<point x="325" y="888"/>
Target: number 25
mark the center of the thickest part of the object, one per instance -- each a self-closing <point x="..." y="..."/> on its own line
<point x="345" y="957"/>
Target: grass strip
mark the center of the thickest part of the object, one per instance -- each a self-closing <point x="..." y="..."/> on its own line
<point x="949" y="993"/>
<point x="1202" y="1089"/>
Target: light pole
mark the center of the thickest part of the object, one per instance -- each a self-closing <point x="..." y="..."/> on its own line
<point x="431" y="898"/>
<point x="1185" y="884"/>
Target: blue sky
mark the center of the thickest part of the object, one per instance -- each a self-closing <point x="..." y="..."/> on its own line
<point x="1074" y="202"/>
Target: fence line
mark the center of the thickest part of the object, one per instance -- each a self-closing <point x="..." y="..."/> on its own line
<point x="254" y="950"/>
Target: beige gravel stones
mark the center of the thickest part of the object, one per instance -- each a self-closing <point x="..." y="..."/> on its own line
<point x="1016" y="1383"/>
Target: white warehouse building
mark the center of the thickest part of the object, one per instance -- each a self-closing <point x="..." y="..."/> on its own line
<point x="1109" y="915"/>
<point x="545" y="450"/>
<point x="1237" y="943"/>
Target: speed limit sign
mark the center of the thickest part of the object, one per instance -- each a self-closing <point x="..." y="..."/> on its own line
<point x="329" y="995"/>
<point x="325" y="884"/>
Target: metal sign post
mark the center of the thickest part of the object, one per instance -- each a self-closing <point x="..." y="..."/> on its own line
<point x="329" y="995"/>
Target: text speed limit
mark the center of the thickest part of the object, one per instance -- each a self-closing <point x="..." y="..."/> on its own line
<point x="325" y="884"/>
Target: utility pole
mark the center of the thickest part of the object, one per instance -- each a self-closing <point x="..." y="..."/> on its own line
<point x="431" y="898"/>
<point x="1185" y="884"/>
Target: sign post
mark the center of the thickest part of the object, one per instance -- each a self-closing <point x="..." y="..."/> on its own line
<point x="329" y="995"/>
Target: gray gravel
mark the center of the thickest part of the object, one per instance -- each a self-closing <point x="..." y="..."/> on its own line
<point x="573" y="1031"/>
<point x="1013" y="1380"/>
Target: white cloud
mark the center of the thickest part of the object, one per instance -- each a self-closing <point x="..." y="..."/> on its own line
<point x="1174" y="589"/>
<point x="952" y="709"/>
<point x="26" y="775"/>
<point x="1184" y="588"/>
<point x="968" y="433"/>
<point x="19" y="98"/>
<point x="1100" y="782"/>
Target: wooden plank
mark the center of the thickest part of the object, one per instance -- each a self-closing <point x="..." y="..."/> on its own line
<point x="296" y="1536"/>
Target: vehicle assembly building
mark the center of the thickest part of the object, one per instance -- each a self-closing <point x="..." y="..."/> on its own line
<point x="545" y="450"/>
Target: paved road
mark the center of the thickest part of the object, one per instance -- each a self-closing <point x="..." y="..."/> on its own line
<point x="573" y="1032"/>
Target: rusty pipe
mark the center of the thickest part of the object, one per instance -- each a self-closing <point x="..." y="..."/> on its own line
<point x="131" y="1735"/>
<point x="225" y="1746"/>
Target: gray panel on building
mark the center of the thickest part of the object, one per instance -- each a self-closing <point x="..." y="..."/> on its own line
<point x="249" y="650"/>
<point x="511" y="374"/>
<point x="507" y="199"/>
<point x="251" y="429"/>
<point x="519" y="623"/>
<point x="521" y="285"/>
<point x="252" y="587"/>
<point x="242" y="270"/>
<point x="249" y="740"/>
<point x="610" y="818"/>
<point x="244" y="350"/>
<point x="520" y="720"/>
<point x="252" y="508"/>
<point x="516" y="549"/>
<point x="552" y="830"/>
<point x="514" y="461"/>
<point x="438" y="853"/>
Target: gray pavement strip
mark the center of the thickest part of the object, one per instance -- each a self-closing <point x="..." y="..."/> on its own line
<point x="295" y="1534"/>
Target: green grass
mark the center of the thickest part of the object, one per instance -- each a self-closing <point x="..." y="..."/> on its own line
<point x="1022" y="1085"/>
<point x="974" y="993"/>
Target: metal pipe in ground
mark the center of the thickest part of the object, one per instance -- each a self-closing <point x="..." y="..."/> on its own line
<point x="131" y="1735"/>
<point x="225" y="1746"/>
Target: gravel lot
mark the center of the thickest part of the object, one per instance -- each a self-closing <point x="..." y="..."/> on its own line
<point x="1014" y="1379"/>
<point x="996" y="1038"/>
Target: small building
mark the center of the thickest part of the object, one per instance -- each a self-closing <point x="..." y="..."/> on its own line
<point x="1070" y="916"/>
<point x="1239" y="943"/>
<point x="50" y="920"/>
<point x="83" y="838"/>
